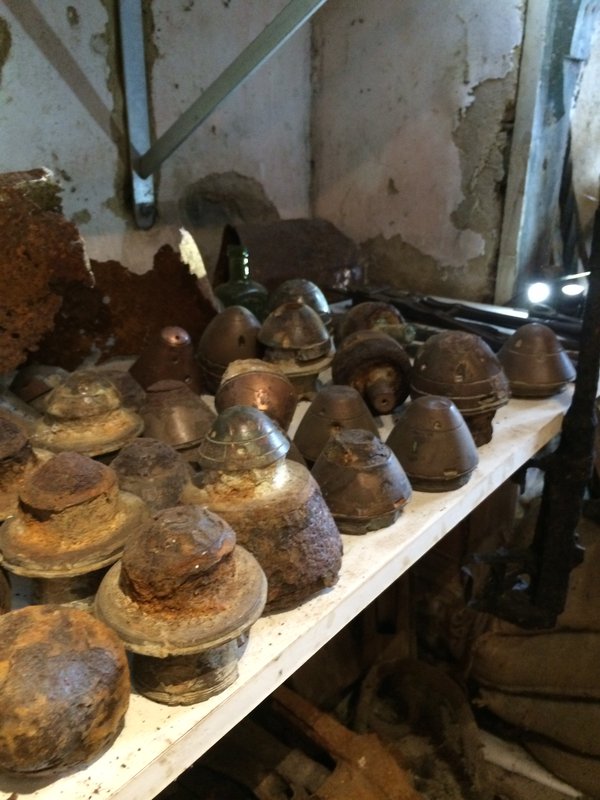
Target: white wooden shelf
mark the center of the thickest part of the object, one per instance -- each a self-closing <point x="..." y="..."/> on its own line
<point x="159" y="742"/>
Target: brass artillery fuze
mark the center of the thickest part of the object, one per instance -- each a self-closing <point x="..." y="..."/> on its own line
<point x="17" y="461"/>
<point x="65" y="691"/>
<point x="253" y="382"/>
<point x="362" y="481"/>
<point x="85" y="414"/>
<point x="463" y="367"/>
<point x="72" y="521"/>
<point x="230" y="335"/>
<point x="535" y="362"/>
<point x="295" y="338"/>
<point x="152" y="470"/>
<point x="377" y="366"/>
<point x="176" y="415"/>
<point x="304" y="291"/>
<point x="182" y="598"/>
<point x="168" y="355"/>
<point x="333" y="408"/>
<point x="377" y="315"/>
<point x="274" y="505"/>
<point x="433" y="444"/>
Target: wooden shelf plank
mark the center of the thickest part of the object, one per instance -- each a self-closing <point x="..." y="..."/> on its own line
<point x="159" y="742"/>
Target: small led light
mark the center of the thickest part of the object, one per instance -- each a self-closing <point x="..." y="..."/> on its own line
<point x="538" y="292"/>
<point x="573" y="289"/>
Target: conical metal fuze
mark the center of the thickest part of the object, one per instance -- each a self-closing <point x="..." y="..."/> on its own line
<point x="253" y="382"/>
<point x="176" y="415"/>
<point x="72" y="521"/>
<point x="274" y="505"/>
<point x="85" y="414"/>
<point x="303" y="291"/>
<point x="434" y="445"/>
<point x="152" y="470"/>
<point x="535" y="362"/>
<point x="17" y="461"/>
<point x="242" y="438"/>
<point x="362" y="481"/>
<point x="169" y="355"/>
<point x="333" y="408"/>
<point x="463" y="367"/>
<point x="296" y="339"/>
<point x="181" y="599"/>
<point x="230" y="335"/>
<point x="377" y="366"/>
<point x="376" y="315"/>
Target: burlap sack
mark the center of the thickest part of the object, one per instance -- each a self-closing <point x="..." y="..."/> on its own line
<point x="580" y="772"/>
<point x="571" y="723"/>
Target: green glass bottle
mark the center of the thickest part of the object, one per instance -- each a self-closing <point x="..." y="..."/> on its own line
<point x="241" y="289"/>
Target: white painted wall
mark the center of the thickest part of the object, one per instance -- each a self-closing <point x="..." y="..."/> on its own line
<point x="260" y="131"/>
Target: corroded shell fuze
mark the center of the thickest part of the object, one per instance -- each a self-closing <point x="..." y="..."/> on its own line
<point x="332" y="409"/>
<point x="461" y="366"/>
<point x="377" y="366"/>
<point x="176" y="415"/>
<point x="253" y="382"/>
<point x="242" y="438"/>
<point x="301" y="290"/>
<point x="152" y="470"/>
<point x="17" y="461"/>
<point x="85" y="414"/>
<point x="168" y="355"/>
<point x="535" y="362"/>
<point x="72" y="519"/>
<point x="434" y="445"/>
<point x="64" y="698"/>
<point x="230" y="335"/>
<point x="181" y="598"/>
<point x="362" y="481"/>
<point x="376" y="315"/>
<point x="294" y="331"/>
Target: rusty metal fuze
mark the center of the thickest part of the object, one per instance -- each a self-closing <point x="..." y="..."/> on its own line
<point x="529" y="588"/>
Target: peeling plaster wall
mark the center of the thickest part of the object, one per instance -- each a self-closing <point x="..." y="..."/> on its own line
<point x="412" y="107"/>
<point x="61" y="106"/>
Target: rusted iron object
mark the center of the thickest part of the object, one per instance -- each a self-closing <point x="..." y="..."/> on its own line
<point x="333" y="408"/>
<point x="17" y="461"/>
<point x="362" y="481"/>
<point x="377" y="366"/>
<point x="72" y="521"/>
<point x="295" y="338"/>
<point x="274" y="505"/>
<point x="33" y="383"/>
<point x="463" y="367"/>
<point x="168" y="355"/>
<point x="85" y="414"/>
<point x="294" y="248"/>
<point x="253" y="382"/>
<point x="535" y="362"/>
<point x="304" y="291"/>
<point x="434" y="445"/>
<point x="5" y="593"/>
<point x="230" y="335"/>
<point x="182" y="598"/>
<point x="176" y="415"/>
<point x="152" y="470"/>
<point x="377" y="315"/>
<point x="65" y="696"/>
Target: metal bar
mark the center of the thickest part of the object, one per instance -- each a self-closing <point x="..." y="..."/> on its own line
<point x="136" y="100"/>
<point x="257" y="52"/>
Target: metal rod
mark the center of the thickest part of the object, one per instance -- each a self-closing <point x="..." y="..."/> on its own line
<point x="136" y="100"/>
<point x="259" y="50"/>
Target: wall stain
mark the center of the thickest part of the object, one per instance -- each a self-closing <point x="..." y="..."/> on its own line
<point x="72" y="16"/>
<point x="5" y="43"/>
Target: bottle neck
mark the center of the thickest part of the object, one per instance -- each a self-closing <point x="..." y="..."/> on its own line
<point x="239" y="266"/>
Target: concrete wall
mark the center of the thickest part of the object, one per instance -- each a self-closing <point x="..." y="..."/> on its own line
<point x="413" y="103"/>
